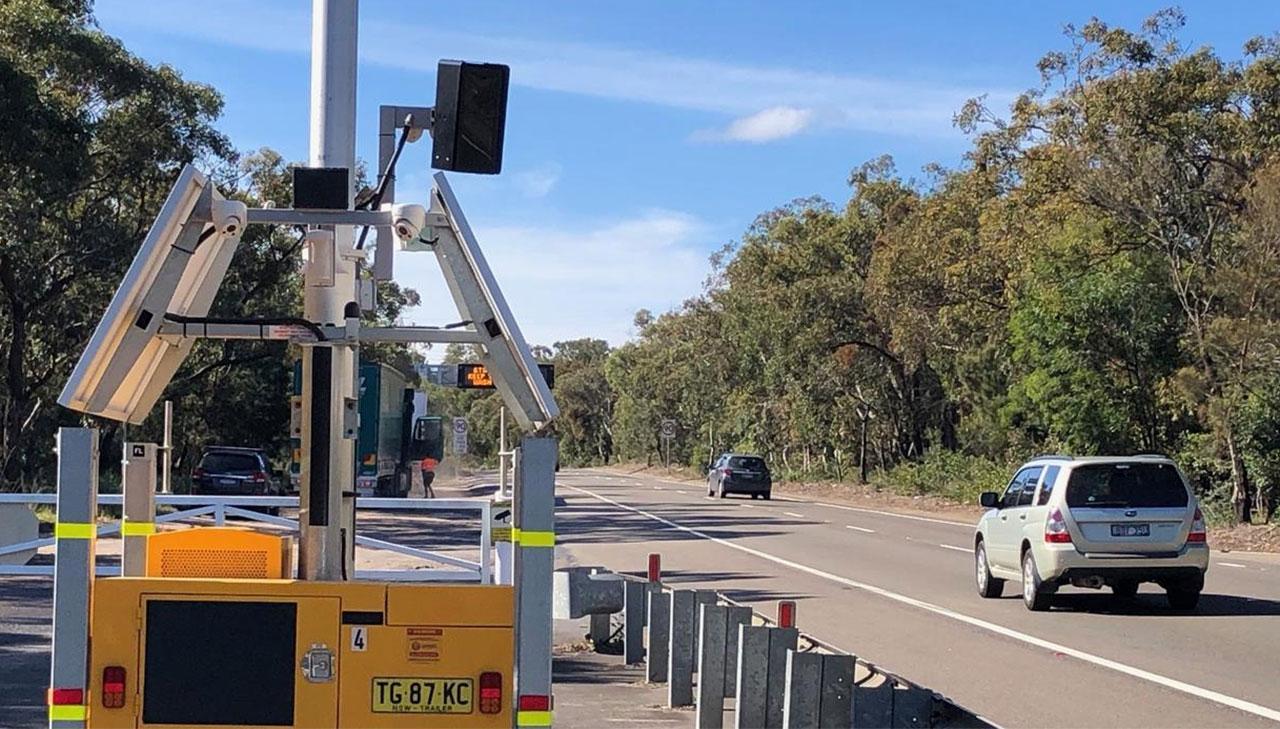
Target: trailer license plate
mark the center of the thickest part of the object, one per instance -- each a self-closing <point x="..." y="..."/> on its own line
<point x="1130" y="530"/>
<point x="422" y="695"/>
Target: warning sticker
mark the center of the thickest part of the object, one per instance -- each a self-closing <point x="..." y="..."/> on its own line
<point x="423" y="644"/>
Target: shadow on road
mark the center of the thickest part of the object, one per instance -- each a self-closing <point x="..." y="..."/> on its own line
<point x="1154" y="604"/>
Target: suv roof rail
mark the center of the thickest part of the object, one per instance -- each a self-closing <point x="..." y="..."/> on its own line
<point x="1152" y="455"/>
<point x="1063" y="456"/>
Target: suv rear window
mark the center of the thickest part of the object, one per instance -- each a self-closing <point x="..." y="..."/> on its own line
<point x="754" y="464"/>
<point x="1126" y="486"/>
<point x="228" y="462"/>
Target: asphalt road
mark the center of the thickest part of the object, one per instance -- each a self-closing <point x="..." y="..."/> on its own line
<point x="898" y="591"/>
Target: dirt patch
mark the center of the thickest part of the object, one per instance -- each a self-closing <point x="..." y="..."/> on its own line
<point x="1252" y="538"/>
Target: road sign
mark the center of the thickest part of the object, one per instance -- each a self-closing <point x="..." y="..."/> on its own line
<point x="459" y="436"/>
<point x="668" y="428"/>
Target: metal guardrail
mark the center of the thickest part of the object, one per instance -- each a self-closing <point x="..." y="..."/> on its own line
<point x="203" y="508"/>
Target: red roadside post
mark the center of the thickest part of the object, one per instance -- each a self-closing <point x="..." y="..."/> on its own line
<point x="655" y="567"/>
<point x="786" y="613"/>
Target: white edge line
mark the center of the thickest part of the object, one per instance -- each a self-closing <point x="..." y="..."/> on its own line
<point x="1172" y="683"/>
<point x="955" y="548"/>
<point x="860" y="529"/>
<point x="1233" y="564"/>
<point x="792" y="513"/>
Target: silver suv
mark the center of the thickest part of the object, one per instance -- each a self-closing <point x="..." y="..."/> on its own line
<point x="1090" y="522"/>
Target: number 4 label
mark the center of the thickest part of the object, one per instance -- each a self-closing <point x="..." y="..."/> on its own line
<point x="359" y="638"/>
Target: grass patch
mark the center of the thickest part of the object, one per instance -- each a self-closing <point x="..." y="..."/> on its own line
<point x="946" y="474"/>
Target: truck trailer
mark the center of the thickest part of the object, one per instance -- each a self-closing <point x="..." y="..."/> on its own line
<point x="393" y="438"/>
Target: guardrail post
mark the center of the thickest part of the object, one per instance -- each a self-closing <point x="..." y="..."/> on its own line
<point x="600" y="629"/>
<point x="533" y="533"/>
<point x="137" y="518"/>
<point x="782" y="641"/>
<point x="633" y="599"/>
<point x="75" y="531"/>
<point x="700" y="598"/>
<point x="712" y="630"/>
<point x="219" y="514"/>
<point x="804" y="691"/>
<point x="680" y="658"/>
<point x="836" y="709"/>
<point x="752" y="678"/>
<point x="737" y="615"/>
<point x="659" y="643"/>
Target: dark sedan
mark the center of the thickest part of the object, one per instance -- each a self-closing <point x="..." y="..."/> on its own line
<point x="739" y="473"/>
<point x="231" y="471"/>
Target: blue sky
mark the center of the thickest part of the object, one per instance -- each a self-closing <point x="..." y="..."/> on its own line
<point x="641" y="136"/>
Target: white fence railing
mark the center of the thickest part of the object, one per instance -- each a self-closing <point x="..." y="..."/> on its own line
<point x="202" y="509"/>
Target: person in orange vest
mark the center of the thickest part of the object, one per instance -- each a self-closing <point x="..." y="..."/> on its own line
<point x="428" y="475"/>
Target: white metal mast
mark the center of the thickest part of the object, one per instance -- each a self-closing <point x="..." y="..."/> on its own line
<point x="329" y="371"/>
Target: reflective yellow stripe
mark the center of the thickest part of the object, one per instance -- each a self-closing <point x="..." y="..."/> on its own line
<point x="73" y="530"/>
<point x="533" y="718"/>
<point x="527" y="538"/>
<point x="68" y="712"/>
<point x="137" y="528"/>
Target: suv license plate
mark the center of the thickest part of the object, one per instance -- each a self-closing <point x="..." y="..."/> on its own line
<point x="421" y="696"/>
<point x="1130" y="530"/>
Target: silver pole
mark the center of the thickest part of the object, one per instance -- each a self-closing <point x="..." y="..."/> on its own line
<point x="328" y="469"/>
<point x="166" y="450"/>
<point x="502" y="451"/>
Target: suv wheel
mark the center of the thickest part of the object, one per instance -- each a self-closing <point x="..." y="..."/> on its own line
<point x="1034" y="596"/>
<point x="1185" y="595"/>
<point x="988" y="586"/>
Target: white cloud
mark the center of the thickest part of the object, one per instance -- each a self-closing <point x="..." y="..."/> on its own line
<point x="537" y="183"/>
<point x="583" y="280"/>
<point x="858" y="102"/>
<point x="768" y="125"/>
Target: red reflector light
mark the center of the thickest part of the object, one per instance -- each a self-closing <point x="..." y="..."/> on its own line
<point x="66" y="696"/>
<point x="113" y="687"/>
<point x="786" y="614"/>
<point x="490" y="692"/>
<point x="655" y="567"/>
<point x="535" y="703"/>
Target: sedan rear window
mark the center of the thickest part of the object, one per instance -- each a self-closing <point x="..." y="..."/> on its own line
<point x="1126" y="486"/>
<point x="229" y="462"/>
<point x="751" y="464"/>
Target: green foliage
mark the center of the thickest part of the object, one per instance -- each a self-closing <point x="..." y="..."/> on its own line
<point x="947" y="474"/>
<point x="1099" y="276"/>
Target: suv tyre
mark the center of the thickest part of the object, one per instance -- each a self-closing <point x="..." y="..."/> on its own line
<point x="988" y="586"/>
<point x="1034" y="596"/>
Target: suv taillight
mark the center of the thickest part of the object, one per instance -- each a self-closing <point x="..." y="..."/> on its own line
<point x="198" y="473"/>
<point x="490" y="692"/>
<point x="259" y="477"/>
<point x="1197" y="534"/>
<point x="727" y="471"/>
<point x="1055" y="529"/>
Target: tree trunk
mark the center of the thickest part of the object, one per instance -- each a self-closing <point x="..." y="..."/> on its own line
<point x="1240" y="497"/>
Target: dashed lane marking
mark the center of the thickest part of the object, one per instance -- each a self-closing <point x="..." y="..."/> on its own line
<point x="1138" y="673"/>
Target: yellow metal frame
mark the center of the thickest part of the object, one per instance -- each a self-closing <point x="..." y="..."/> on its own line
<point x="426" y="630"/>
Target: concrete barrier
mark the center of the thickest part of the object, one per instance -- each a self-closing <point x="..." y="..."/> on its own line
<point x="680" y="656"/>
<point x="804" y="691"/>
<point x="819" y="691"/>
<point x="634" y="594"/>
<point x="658" y="643"/>
<point x="18" y="524"/>
<point x="751" y="683"/>
<point x="713" y="632"/>
<point x="581" y="591"/>
<point x="781" y="642"/>
<point x="737" y="615"/>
